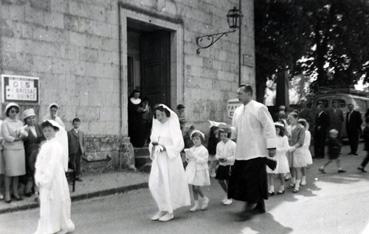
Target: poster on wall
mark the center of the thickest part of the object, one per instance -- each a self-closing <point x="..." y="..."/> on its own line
<point x="23" y="89"/>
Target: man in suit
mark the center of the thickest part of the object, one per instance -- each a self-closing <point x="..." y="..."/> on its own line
<point x="76" y="147"/>
<point x="353" y="127"/>
<point x="335" y="118"/>
<point x="321" y="129"/>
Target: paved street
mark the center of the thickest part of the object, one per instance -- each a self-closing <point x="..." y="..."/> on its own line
<point x="332" y="203"/>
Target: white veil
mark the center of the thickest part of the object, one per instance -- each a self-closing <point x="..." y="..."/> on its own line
<point x="175" y="132"/>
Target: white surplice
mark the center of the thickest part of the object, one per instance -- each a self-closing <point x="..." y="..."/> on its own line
<point x="167" y="180"/>
<point x="255" y="131"/>
<point x="55" y="202"/>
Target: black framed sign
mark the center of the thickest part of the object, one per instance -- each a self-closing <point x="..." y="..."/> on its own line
<point x="16" y="88"/>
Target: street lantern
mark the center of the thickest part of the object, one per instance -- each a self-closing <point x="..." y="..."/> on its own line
<point x="233" y="19"/>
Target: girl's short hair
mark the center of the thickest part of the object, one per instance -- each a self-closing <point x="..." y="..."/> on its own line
<point x="282" y="131"/>
<point x="197" y="134"/>
<point x="294" y="114"/>
<point x="161" y="108"/>
<point x="303" y="122"/>
<point x="46" y="124"/>
<point x="225" y="130"/>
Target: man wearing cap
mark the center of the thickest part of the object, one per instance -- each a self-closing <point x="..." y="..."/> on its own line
<point x="256" y="140"/>
<point x="31" y="146"/>
<point x="321" y="130"/>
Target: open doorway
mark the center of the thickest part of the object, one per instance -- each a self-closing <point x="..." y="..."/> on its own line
<point x="148" y="61"/>
<point x="149" y="72"/>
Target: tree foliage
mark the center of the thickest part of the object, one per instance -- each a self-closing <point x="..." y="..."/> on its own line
<point x="326" y="39"/>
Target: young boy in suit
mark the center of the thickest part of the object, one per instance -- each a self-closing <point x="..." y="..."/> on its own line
<point x="76" y="147"/>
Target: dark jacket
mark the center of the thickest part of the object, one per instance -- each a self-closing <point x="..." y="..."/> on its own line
<point x="32" y="142"/>
<point x="322" y="121"/>
<point x="76" y="142"/>
<point x="366" y="138"/>
<point x="334" y="146"/>
<point x="355" y="121"/>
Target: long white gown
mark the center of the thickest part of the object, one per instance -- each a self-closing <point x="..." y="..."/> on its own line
<point x="62" y="137"/>
<point x="55" y="202"/>
<point x="167" y="180"/>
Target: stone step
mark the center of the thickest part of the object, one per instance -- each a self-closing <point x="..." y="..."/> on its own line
<point x="144" y="151"/>
<point x="142" y="157"/>
<point x="146" y="167"/>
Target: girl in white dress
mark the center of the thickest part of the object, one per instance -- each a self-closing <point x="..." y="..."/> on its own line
<point x="197" y="170"/>
<point x="306" y="149"/>
<point x="167" y="180"/>
<point x="55" y="203"/>
<point x="282" y="163"/>
<point x="296" y="142"/>
<point x="61" y="135"/>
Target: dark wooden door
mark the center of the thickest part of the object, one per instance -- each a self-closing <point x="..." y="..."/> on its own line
<point x="155" y="66"/>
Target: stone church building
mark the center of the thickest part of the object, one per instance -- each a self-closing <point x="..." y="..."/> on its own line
<point x="90" y="54"/>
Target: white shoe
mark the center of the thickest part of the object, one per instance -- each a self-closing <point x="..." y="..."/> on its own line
<point x="166" y="217"/>
<point x="303" y="181"/>
<point x="158" y="215"/>
<point x="228" y="202"/>
<point x="204" y="203"/>
<point x="196" y="206"/>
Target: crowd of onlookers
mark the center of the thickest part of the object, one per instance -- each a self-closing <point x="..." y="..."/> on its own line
<point x="20" y="140"/>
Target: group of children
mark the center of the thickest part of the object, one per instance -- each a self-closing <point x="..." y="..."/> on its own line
<point x="197" y="169"/>
<point x="293" y="157"/>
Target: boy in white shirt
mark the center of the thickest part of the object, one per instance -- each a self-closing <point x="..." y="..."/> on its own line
<point x="225" y="154"/>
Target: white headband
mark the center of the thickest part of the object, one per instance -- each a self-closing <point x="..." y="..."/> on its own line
<point x="199" y="132"/>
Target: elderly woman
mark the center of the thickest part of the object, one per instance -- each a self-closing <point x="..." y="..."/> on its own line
<point x="61" y="135"/>
<point x="167" y="181"/>
<point x="13" y="132"/>
<point x="31" y="146"/>
<point x="55" y="203"/>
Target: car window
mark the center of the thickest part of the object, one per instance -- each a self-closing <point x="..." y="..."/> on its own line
<point x="341" y="103"/>
<point x="325" y="102"/>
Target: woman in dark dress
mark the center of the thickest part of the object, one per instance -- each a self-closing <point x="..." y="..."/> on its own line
<point x="31" y="146"/>
<point x="135" y="121"/>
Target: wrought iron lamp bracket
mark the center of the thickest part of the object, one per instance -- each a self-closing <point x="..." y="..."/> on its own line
<point x="211" y="39"/>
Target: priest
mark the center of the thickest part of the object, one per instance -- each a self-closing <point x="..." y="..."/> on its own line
<point x="256" y="139"/>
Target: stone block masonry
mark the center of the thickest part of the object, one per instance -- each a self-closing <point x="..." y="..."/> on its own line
<point x="73" y="46"/>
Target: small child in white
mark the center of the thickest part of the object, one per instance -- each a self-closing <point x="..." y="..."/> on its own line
<point x="197" y="170"/>
<point x="282" y="162"/>
<point x="306" y="150"/>
<point x="225" y="154"/>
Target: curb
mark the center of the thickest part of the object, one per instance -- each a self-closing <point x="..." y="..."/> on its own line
<point x="79" y="197"/>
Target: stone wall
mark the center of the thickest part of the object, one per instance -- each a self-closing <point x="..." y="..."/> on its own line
<point x="108" y="152"/>
<point x="73" y="46"/>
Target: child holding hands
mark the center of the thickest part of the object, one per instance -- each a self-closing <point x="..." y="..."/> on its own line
<point x="225" y="154"/>
<point x="197" y="170"/>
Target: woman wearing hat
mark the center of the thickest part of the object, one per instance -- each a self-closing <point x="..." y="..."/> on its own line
<point x="31" y="146"/>
<point x="55" y="203"/>
<point x="61" y="135"/>
<point x="13" y="132"/>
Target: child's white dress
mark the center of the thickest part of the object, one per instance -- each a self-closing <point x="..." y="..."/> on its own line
<point x="281" y="156"/>
<point x="306" y="148"/>
<point x="197" y="170"/>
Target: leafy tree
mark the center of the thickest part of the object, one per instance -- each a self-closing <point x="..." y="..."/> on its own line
<point x="326" y="39"/>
